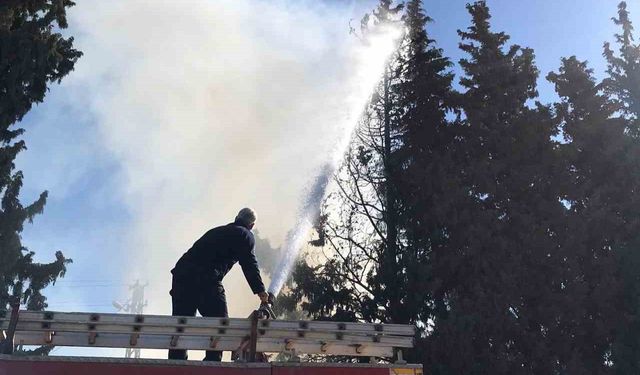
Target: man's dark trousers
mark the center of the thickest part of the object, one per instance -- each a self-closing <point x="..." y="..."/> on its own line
<point x="189" y="294"/>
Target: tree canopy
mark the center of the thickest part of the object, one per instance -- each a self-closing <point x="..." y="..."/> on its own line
<point x="504" y="228"/>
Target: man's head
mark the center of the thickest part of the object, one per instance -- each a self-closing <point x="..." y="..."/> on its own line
<point x="246" y="217"/>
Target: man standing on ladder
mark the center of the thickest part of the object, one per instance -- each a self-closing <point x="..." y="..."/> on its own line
<point x="197" y="277"/>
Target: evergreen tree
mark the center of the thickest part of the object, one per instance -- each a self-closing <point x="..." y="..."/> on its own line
<point x="32" y="55"/>
<point x="426" y="189"/>
<point x="623" y="85"/>
<point x="601" y="175"/>
<point x="515" y="253"/>
<point x="387" y="279"/>
<point x="495" y="273"/>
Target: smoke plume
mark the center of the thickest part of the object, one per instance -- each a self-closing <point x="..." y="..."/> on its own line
<point x="210" y="106"/>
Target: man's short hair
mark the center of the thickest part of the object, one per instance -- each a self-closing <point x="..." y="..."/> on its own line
<point x="246" y="216"/>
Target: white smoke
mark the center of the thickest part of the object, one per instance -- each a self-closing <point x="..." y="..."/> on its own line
<point x="210" y="106"/>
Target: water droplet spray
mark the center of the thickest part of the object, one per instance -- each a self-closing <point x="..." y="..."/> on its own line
<point x="372" y="58"/>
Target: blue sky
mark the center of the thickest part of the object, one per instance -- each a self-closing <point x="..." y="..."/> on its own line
<point x="554" y="29"/>
<point x="103" y="207"/>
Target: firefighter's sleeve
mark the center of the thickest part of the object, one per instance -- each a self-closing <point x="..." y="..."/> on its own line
<point x="249" y="265"/>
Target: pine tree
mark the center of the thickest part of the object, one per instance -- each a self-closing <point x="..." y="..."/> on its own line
<point x="426" y="191"/>
<point x="623" y="85"/>
<point x="599" y="158"/>
<point x="494" y="273"/>
<point x="32" y="55"/>
<point x="375" y="157"/>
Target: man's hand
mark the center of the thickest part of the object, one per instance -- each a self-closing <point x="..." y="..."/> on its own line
<point x="264" y="297"/>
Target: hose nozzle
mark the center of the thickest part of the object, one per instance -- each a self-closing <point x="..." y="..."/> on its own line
<point x="265" y="310"/>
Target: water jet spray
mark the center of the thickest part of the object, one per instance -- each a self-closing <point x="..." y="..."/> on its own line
<point x="373" y="56"/>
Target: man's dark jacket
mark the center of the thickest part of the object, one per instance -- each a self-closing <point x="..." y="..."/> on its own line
<point x="213" y="255"/>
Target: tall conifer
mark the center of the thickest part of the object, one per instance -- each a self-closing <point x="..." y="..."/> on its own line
<point x="600" y="174"/>
<point x="32" y="55"/>
<point x="623" y="84"/>
<point x="425" y="188"/>
<point x="495" y="271"/>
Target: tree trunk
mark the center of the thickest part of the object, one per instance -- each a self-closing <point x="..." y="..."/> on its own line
<point x="390" y="263"/>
